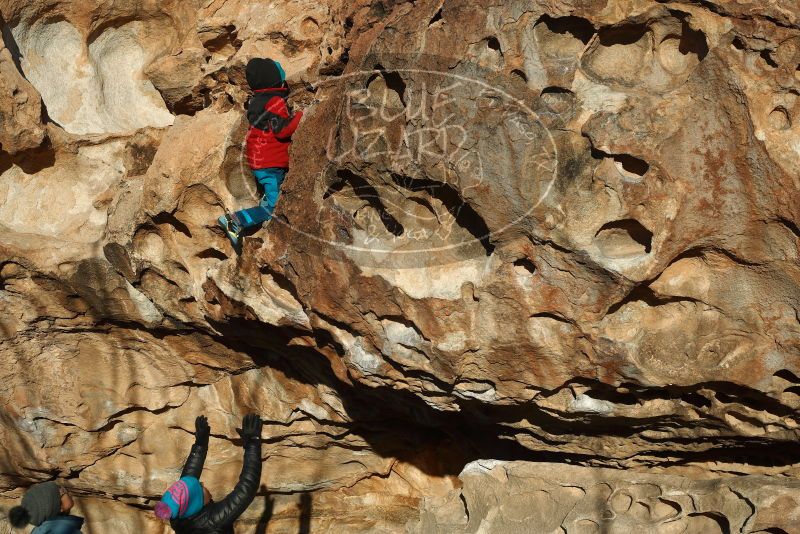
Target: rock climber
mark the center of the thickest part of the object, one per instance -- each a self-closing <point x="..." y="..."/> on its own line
<point x="267" y="144"/>
<point x="188" y="505"/>
<point x="46" y="506"/>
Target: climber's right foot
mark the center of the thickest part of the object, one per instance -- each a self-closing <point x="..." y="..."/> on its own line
<point x="226" y="223"/>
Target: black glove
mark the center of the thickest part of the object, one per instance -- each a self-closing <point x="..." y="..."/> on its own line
<point x="251" y="427"/>
<point x="202" y="430"/>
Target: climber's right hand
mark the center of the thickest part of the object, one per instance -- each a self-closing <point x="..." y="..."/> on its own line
<point x="251" y="427"/>
<point x="202" y="430"/>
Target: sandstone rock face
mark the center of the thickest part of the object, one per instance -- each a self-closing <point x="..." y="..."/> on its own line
<point x="522" y="246"/>
<point x="511" y="496"/>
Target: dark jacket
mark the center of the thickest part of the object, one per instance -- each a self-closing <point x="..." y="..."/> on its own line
<point x="63" y="524"/>
<point x="218" y="517"/>
<point x="271" y="128"/>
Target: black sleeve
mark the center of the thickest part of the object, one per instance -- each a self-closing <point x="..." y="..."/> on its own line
<point x="194" y="463"/>
<point x="228" y="510"/>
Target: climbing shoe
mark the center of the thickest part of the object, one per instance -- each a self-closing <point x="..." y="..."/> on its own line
<point x="229" y="226"/>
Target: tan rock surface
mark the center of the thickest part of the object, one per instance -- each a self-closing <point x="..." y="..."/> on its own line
<point x="514" y="231"/>
<point x="503" y="497"/>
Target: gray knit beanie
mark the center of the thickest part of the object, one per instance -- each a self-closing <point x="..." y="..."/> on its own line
<point x="40" y="503"/>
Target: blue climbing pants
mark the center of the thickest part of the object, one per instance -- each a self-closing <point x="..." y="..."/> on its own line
<point x="271" y="180"/>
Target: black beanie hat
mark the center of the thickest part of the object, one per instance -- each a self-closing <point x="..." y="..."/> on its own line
<point x="40" y="503"/>
<point x="263" y="73"/>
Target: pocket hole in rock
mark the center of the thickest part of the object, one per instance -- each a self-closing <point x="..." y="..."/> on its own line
<point x="557" y="99"/>
<point x="520" y="74"/>
<point x="622" y="35"/>
<point x="787" y="375"/>
<point x="210" y="253"/>
<point x="622" y="55"/>
<point x="679" y="53"/>
<point x="310" y="26"/>
<point x="465" y="215"/>
<point x="632" y="165"/>
<point x="766" y="56"/>
<point x="738" y="44"/>
<point x="394" y="82"/>
<point x="436" y="18"/>
<point x="693" y="42"/>
<point x="624" y="238"/>
<point x="494" y="44"/>
<point x="524" y="267"/>
<point x="779" y="119"/>
<point x="165" y="218"/>
<point x="579" y="28"/>
<point x="367" y="193"/>
<point x="227" y="38"/>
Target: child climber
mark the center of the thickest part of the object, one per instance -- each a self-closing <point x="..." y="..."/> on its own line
<point x="267" y="144"/>
<point x="188" y="505"/>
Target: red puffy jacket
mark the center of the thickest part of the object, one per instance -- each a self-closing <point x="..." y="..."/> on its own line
<point x="265" y="149"/>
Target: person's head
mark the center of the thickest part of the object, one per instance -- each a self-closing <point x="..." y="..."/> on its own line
<point x="184" y="498"/>
<point x="264" y="73"/>
<point x="41" y="502"/>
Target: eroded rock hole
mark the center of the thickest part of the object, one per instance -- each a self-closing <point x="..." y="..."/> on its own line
<point x="11" y="44"/>
<point x="766" y="56"/>
<point x="738" y="44"/>
<point x="622" y="35"/>
<point x="494" y="44"/>
<point x="393" y="82"/>
<point x="779" y="119"/>
<point x="577" y="27"/>
<point x="520" y="74"/>
<point x="465" y="215"/>
<point x="282" y="281"/>
<point x="30" y="161"/>
<point x="212" y="253"/>
<point x="792" y="227"/>
<point x="169" y="219"/>
<point x="624" y="238"/>
<point x="693" y="42"/>
<point x="227" y="39"/>
<point x="436" y="18"/>
<point x="787" y="375"/>
<point x="632" y="165"/>
<point x="557" y="99"/>
<point x="525" y="267"/>
<point x="366" y="192"/>
<point x="191" y="104"/>
<point x="551" y="316"/>
<point x="721" y="521"/>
